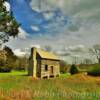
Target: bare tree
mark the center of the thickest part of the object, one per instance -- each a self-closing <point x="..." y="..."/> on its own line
<point x="96" y="51"/>
<point x="87" y="61"/>
<point x="48" y="48"/>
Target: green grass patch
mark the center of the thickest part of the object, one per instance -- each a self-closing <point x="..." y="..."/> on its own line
<point x="14" y="73"/>
<point x="17" y="86"/>
<point x="64" y="75"/>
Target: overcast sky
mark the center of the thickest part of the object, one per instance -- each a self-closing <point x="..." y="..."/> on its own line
<point x="81" y="28"/>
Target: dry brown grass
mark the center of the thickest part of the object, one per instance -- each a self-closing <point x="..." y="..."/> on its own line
<point x="69" y="88"/>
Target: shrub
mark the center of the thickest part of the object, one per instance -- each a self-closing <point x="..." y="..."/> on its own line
<point x="5" y="69"/>
<point x="95" y="70"/>
<point x="74" y="69"/>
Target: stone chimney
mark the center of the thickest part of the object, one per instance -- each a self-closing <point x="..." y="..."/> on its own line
<point x="33" y="62"/>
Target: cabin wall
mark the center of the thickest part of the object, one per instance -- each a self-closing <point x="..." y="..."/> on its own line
<point x="50" y="64"/>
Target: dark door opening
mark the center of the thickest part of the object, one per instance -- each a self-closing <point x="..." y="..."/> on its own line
<point x="52" y="70"/>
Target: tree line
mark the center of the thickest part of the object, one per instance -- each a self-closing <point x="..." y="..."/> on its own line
<point x="11" y="61"/>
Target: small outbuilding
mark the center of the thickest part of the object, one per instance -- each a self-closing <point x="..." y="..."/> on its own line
<point x="43" y="64"/>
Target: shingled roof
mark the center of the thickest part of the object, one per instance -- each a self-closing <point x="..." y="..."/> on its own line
<point x="47" y="55"/>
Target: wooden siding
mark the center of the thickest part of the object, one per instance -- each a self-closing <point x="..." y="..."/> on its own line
<point x="50" y="63"/>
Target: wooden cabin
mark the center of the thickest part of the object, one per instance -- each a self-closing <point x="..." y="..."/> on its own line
<point x="43" y="64"/>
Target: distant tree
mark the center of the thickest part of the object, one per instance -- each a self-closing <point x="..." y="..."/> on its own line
<point x="95" y="70"/>
<point x="2" y="57"/>
<point x="63" y="66"/>
<point x="87" y="61"/>
<point x="8" y="24"/>
<point x="10" y="62"/>
<point x="9" y="53"/>
<point x="2" y="62"/>
<point x="22" y="63"/>
<point x="74" y="69"/>
<point x="96" y="51"/>
<point x="8" y="50"/>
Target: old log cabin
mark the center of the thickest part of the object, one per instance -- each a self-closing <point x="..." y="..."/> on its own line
<point x="43" y="64"/>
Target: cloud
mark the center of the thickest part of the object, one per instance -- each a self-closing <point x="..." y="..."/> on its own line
<point x="7" y="6"/>
<point x="35" y="28"/>
<point x="79" y="9"/>
<point x="35" y="45"/>
<point x="22" y="33"/>
<point x="83" y="25"/>
<point x="81" y="31"/>
<point x="18" y="52"/>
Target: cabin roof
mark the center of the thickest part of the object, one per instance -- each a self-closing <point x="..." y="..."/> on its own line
<point x="47" y="55"/>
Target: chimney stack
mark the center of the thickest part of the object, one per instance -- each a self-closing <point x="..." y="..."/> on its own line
<point x="33" y="65"/>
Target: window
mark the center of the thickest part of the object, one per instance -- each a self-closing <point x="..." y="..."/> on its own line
<point x="46" y="67"/>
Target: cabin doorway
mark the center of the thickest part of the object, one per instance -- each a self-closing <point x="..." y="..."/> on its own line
<point x="52" y="70"/>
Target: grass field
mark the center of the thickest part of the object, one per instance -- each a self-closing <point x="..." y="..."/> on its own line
<point x="14" y="73"/>
<point x="18" y="86"/>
